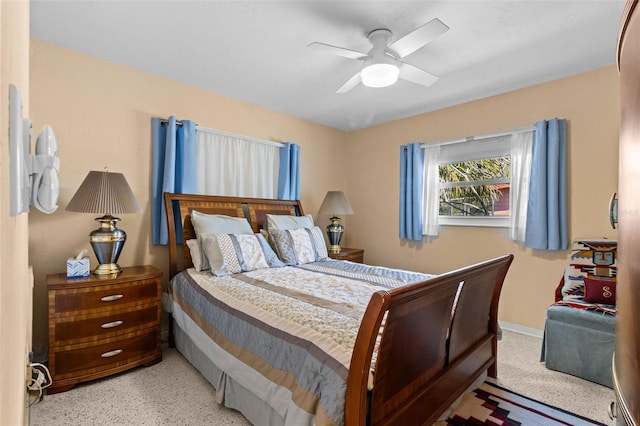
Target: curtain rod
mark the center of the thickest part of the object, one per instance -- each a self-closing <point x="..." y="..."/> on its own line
<point x="478" y="138"/>
<point x="165" y="121"/>
<point x="223" y="133"/>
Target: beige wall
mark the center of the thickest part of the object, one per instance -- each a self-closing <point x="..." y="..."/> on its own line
<point x="15" y="276"/>
<point x="589" y="102"/>
<point x="101" y="114"/>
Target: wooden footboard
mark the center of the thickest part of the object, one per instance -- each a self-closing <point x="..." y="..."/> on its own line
<point x="439" y="336"/>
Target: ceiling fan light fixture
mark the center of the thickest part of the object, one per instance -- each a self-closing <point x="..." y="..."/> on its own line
<point x="379" y="74"/>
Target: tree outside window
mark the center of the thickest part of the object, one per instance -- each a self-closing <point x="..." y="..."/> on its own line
<point x="475" y="187"/>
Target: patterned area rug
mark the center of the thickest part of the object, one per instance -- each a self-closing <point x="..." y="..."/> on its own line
<point x="491" y="404"/>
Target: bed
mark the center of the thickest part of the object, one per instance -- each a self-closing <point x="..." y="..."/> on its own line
<point x="289" y="345"/>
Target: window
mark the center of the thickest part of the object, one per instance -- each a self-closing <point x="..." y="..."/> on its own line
<point x="474" y="182"/>
<point x="531" y="173"/>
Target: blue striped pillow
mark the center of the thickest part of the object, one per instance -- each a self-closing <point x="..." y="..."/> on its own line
<point x="299" y="246"/>
<point x="240" y="253"/>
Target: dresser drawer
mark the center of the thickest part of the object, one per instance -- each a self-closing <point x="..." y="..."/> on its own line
<point x="70" y="330"/>
<point x="73" y="301"/>
<point x="87" y="359"/>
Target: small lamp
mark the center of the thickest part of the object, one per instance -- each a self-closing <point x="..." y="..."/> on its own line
<point x="335" y="203"/>
<point x="105" y="193"/>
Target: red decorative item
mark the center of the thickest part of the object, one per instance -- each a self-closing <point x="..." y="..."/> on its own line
<point x="599" y="291"/>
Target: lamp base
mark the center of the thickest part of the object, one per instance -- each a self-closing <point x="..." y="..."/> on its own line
<point x="334" y="232"/>
<point x="107" y="242"/>
<point x="334" y="249"/>
<point x="107" y="269"/>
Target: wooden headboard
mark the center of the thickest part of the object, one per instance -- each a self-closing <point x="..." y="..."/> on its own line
<point x="180" y="206"/>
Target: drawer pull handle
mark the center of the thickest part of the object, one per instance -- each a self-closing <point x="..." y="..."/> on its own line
<point x="112" y="324"/>
<point x="112" y="298"/>
<point x="111" y="353"/>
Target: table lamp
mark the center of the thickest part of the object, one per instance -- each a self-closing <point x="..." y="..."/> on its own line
<point x="335" y="203"/>
<point x="105" y="193"/>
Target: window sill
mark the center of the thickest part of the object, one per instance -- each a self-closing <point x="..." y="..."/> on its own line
<point x="479" y="221"/>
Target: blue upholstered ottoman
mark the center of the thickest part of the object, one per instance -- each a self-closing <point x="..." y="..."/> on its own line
<point x="579" y="342"/>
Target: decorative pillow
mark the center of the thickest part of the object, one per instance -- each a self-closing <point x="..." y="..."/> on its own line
<point x="196" y="257"/>
<point x="235" y="253"/>
<point x="595" y="258"/>
<point x="284" y="222"/>
<point x="211" y="252"/>
<point x="298" y="246"/>
<point x="277" y="221"/>
<point x="599" y="291"/>
<point x="216" y="224"/>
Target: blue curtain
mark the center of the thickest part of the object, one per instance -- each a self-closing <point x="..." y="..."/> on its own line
<point x="411" y="189"/>
<point x="547" y="207"/>
<point x="173" y="169"/>
<point x="289" y="172"/>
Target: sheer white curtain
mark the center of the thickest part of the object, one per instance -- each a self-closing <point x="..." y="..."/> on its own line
<point x="431" y="190"/>
<point x="234" y="166"/>
<point x="521" y="156"/>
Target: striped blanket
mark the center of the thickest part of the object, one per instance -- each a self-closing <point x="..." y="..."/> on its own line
<point x="295" y="327"/>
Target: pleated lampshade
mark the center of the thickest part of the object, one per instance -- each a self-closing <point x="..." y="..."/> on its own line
<point x="335" y="203"/>
<point x="106" y="193"/>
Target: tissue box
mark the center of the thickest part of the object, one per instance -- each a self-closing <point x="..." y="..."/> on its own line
<point x="78" y="267"/>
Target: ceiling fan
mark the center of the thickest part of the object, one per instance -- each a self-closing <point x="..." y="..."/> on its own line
<point x="381" y="66"/>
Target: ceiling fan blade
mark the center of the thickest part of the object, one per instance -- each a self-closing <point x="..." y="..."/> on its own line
<point x="350" y="84"/>
<point x="416" y="75"/>
<point x="340" y="51"/>
<point x="418" y="38"/>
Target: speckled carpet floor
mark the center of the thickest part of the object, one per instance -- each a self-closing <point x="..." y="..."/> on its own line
<point x="174" y="393"/>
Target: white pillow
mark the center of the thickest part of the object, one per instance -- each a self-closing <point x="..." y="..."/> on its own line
<point x="277" y="221"/>
<point x="235" y="253"/>
<point x="216" y="224"/>
<point x="196" y="257"/>
<point x="298" y="246"/>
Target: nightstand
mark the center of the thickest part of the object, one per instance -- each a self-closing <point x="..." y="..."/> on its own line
<point x="100" y="325"/>
<point x="352" y="254"/>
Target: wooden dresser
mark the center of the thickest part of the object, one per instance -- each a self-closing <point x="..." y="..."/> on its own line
<point x="352" y="254"/>
<point x="99" y="326"/>
<point x="626" y="369"/>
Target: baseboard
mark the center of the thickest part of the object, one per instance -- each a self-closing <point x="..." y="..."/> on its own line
<point x="517" y="328"/>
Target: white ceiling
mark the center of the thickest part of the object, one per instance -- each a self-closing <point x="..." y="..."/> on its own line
<point x="257" y="51"/>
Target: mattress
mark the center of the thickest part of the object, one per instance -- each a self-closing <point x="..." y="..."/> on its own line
<point x="283" y="334"/>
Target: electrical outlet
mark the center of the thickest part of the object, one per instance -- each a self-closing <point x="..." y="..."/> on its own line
<point x="29" y="377"/>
